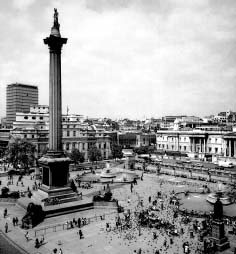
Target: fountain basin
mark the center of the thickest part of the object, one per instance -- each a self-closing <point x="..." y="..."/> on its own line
<point x="197" y="201"/>
<point x="225" y="200"/>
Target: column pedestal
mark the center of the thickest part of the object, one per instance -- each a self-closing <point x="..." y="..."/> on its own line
<point x="55" y="178"/>
<point x="218" y="235"/>
<point x="55" y="169"/>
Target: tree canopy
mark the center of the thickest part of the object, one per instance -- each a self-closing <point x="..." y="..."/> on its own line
<point x="76" y="156"/>
<point x="114" y="125"/>
<point x="144" y="149"/>
<point x="94" y="154"/>
<point x="21" y="152"/>
<point x="116" y="151"/>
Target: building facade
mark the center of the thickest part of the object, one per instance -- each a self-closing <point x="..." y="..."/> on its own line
<point x="146" y="139"/>
<point x="19" y="99"/>
<point x="34" y="126"/>
<point x="199" y="143"/>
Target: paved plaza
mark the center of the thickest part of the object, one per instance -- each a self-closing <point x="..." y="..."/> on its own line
<point x="100" y="239"/>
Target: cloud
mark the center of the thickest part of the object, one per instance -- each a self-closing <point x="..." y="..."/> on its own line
<point x="130" y="58"/>
<point x="22" y="4"/>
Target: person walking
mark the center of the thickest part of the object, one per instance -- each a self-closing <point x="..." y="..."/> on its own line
<point x="16" y="221"/>
<point x="79" y="223"/>
<point x="5" y="213"/>
<point x="6" y="227"/>
<point x="37" y="243"/>
<point x="27" y="236"/>
<point x="80" y="234"/>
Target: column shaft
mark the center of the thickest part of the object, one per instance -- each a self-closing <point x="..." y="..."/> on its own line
<point x="230" y="149"/>
<point x="234" y="148"/>
<point x="55" y="125"/>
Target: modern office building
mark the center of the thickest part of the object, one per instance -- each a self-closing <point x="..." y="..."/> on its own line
<point x="19" y="99"/>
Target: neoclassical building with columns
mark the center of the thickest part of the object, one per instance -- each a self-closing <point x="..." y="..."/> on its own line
<point x="34" y="126"/>
<point x="200" y="144"/>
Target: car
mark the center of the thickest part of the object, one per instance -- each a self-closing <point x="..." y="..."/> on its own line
<point x="187" y="161"/>
<point x="198" y="165"/>
<point x="220" y="168"/>
<point x="226" y="164"/>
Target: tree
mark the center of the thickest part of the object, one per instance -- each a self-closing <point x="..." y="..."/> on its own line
<point x="116" y="151"/>
<point x="115" y="125"/>
<point x="21" y="152"/>
<point x="94" y="154"/>
<point x="144" y="149"/>
<point x="76" y="156"/>
<point x="141" y="150"/>
<point x="1" y="152"/>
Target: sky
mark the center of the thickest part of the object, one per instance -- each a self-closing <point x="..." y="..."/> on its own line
<point x="125" y="58"/>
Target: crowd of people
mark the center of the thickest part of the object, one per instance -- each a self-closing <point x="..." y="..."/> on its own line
<point x="151" y="209"/>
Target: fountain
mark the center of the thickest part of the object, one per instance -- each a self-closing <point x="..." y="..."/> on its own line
<point x="117" y="174"/>
<point x="108" y="172"/>
<point x="221" y="194"/>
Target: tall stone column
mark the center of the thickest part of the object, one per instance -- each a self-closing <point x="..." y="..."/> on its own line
<point x="225" y="148"/>
<point x="194" y="145"/>
<point x="55" y="164"/>
<point x="230" y="150"/>
<point x="55" y="43"/>
<point x="190" y="145"/>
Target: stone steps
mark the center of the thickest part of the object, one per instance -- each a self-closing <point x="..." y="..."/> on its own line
<point x="71" y="209"/>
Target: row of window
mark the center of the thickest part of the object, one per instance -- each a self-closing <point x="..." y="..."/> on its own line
<point x="100" y="146"/>
<point x="67" y="119"/>
<point x="68" y="134"/>
<point x="184" y="148"/>
<point x="33" y="117"/>
<point x="28" y="136"/>
<point x="39" y="107"/>
<point x="67" y="147"/>
<point x="186" y="139"/>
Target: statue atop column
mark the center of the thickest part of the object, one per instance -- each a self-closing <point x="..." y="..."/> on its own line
<point x="55" y="30"/>
<point x="56" y="24"/>
<point x="218" y="210"/>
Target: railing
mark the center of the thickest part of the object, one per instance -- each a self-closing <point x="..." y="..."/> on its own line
<point x="192" y="172"/>
<point x="66" y="226"/>
<point x="8" y="200"/>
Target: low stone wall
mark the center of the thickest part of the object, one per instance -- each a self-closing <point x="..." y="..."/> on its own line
<point x="190" y="213"/>
<point x="196" y="175"/>
<point x="105" y="204"/>
<point x="8" y="200"/>
<point x="197" y="214"/>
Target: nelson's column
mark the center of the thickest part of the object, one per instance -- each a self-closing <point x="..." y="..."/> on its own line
<point x="55" y="164"/>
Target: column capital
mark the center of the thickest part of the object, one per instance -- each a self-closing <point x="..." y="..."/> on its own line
<point x="55" y="43"/>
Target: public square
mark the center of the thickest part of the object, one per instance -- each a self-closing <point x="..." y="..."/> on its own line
<point x="98" y="238"/>
<point x="118" y="127"/>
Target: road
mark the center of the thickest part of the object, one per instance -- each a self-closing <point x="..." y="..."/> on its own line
<point x="205" y="164"/>
<point x="7" y="247"/>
